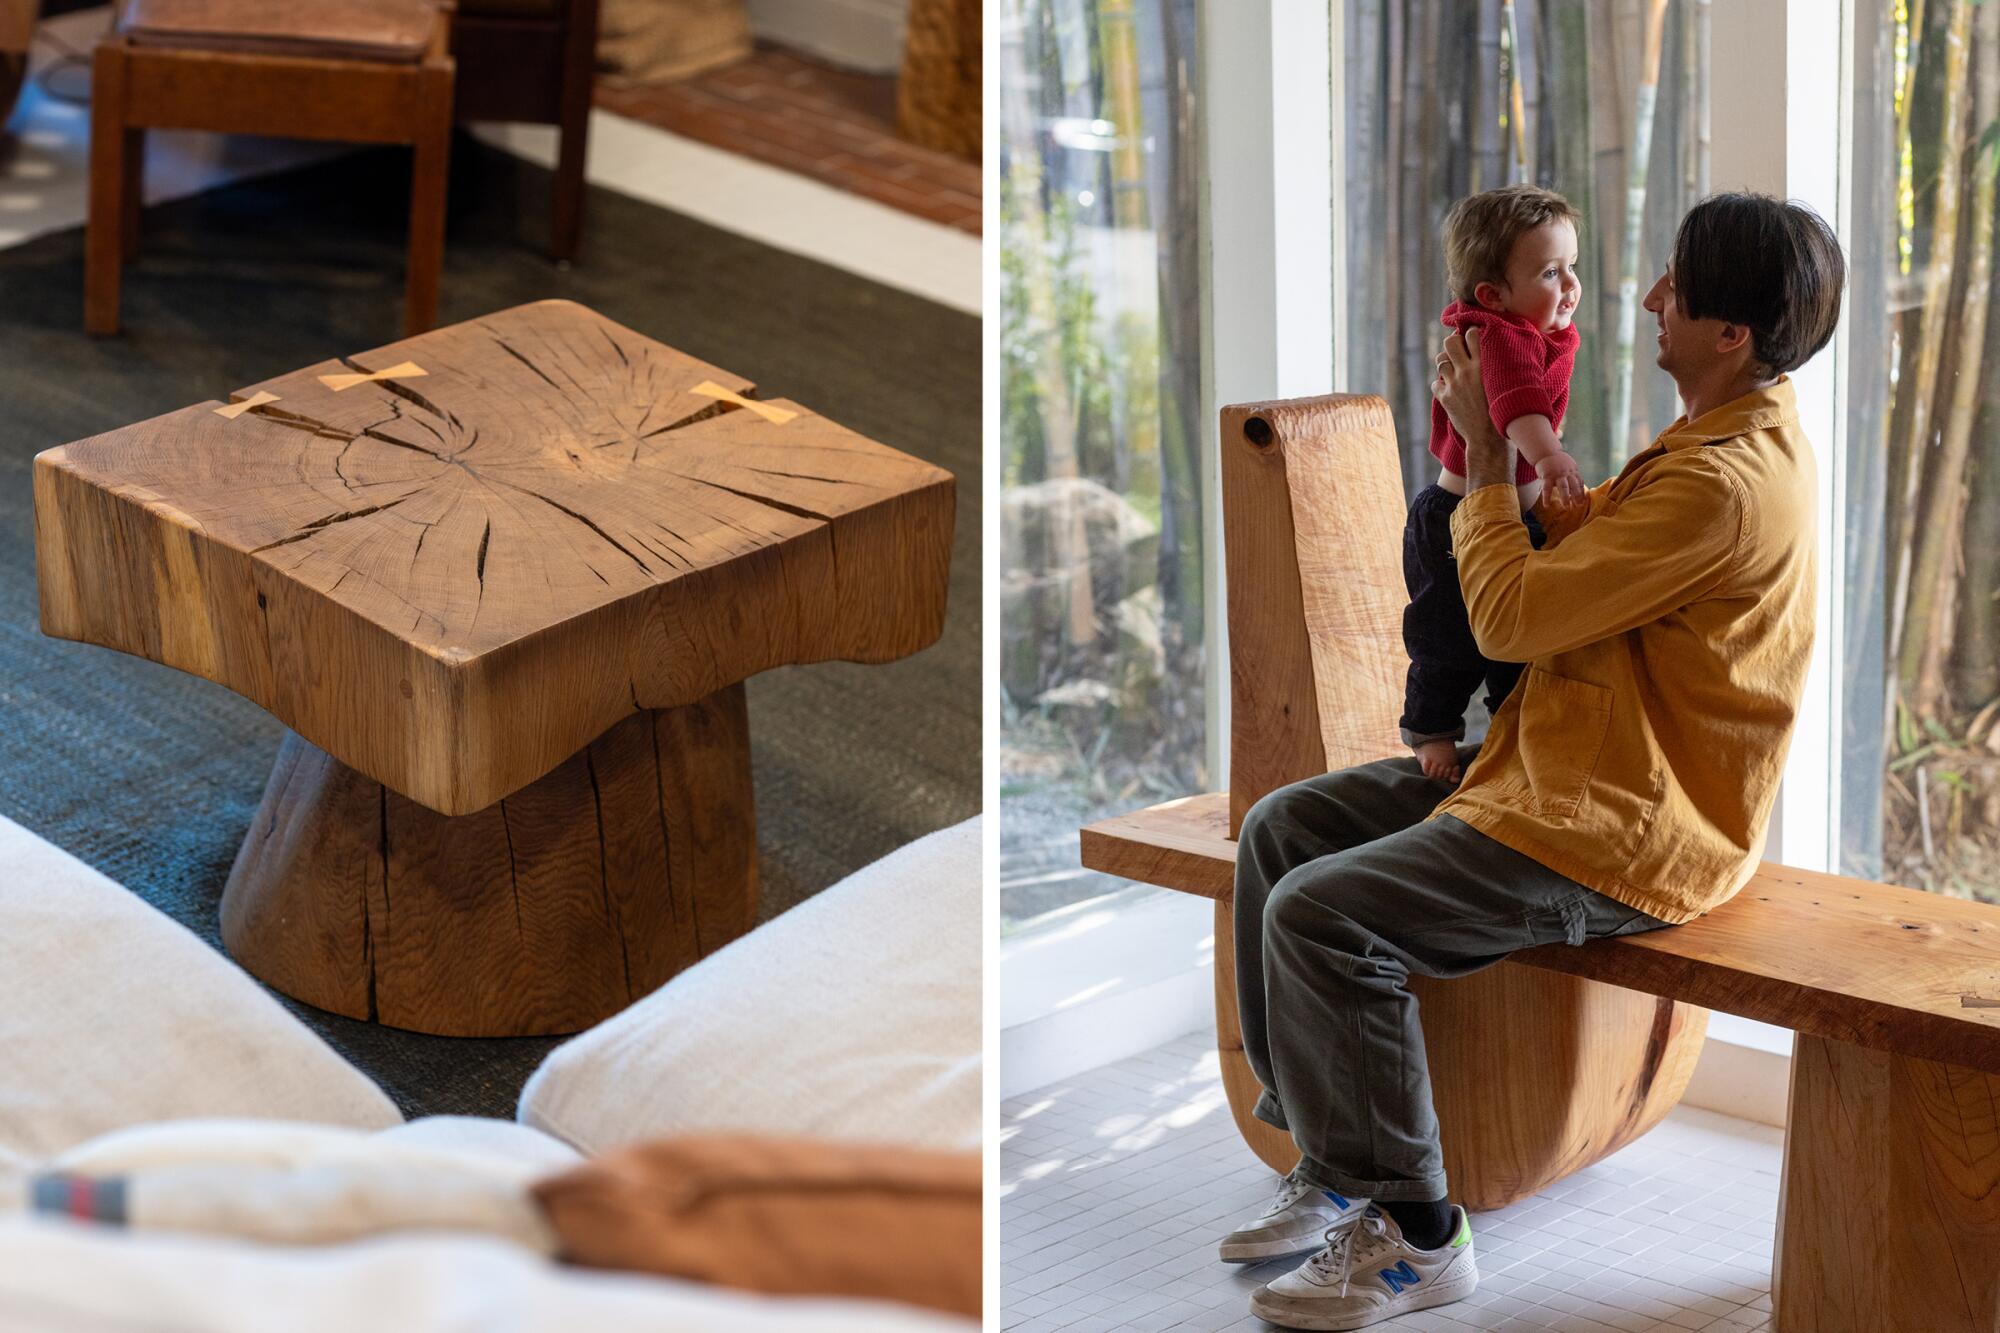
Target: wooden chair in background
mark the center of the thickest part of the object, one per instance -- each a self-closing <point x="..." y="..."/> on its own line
<point x="532" y="61"/>
<point x="363" y="71"/>
<point x="17" y="28"/>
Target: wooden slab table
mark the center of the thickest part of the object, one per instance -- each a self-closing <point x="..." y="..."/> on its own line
<point x="504" y="582"/>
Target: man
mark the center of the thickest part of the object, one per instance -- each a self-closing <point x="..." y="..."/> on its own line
<point x="1624" y="785"/>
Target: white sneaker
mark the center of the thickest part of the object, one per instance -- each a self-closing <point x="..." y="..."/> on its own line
<point x="1297" y="1222"/>
<point x="1368" y="1272"/>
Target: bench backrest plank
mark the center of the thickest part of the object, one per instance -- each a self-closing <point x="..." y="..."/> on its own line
<point x="1312" y="505"/>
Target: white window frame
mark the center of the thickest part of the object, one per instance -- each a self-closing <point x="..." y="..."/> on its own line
<point x="1092" y="990"/>
<point x="1270" y="75"/>
<point x="1785" y="68"/>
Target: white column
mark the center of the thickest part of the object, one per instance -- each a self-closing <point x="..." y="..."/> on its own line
<point x="1784" y="66"/>
<point x="1267" y="216"/>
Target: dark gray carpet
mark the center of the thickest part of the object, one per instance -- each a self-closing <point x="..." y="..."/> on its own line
<point x="151" y="775"/>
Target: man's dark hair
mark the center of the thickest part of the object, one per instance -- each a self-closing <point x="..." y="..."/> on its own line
<point x="1770" y="264"/>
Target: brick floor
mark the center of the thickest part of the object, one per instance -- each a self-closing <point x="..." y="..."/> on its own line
<point x="834" y="125"/>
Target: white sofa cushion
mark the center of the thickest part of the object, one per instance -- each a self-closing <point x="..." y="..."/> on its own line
<point x="854" y="1016"/>
<point x="61" y="1276"/>
<point x="111" y="1014"/>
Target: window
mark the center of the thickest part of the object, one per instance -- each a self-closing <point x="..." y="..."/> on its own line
<point x="1600" y="101"/>
<point x="1920" y="683"/>
<point x="1102" y="643"/>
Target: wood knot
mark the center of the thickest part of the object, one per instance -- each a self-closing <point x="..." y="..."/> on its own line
<point x="403" y="687"/>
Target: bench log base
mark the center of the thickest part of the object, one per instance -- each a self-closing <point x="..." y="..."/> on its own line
<point x="1534" y="1074"/>
<point x="543" y="913"/>
<point x="1889" y="1207"/>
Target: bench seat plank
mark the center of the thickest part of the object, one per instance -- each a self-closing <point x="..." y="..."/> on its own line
<point x="1888" y="968"/>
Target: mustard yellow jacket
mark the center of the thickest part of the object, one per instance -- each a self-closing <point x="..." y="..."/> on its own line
<point x="1666" y="633"/>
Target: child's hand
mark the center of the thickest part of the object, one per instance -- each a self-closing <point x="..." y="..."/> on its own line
<point x="1440" y="760"/>
<point x="1559" y="480"/>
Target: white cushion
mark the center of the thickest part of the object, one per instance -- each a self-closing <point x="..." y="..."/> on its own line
<point x="62" y="1276"/>
<point x="856" y="1016"/>
<point x="111" y="1014"/>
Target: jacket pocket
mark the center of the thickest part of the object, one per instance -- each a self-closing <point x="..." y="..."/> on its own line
<point x="1563" y="726"/>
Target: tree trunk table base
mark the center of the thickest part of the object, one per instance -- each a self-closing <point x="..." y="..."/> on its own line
<point x="544" y="913"/>
<point x="1889" y="1206"/>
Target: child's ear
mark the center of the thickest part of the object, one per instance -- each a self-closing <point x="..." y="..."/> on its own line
<point x="1489" y="295"/>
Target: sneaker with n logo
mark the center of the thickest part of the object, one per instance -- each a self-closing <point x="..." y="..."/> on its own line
<point x="1368" y="1273"/>
<point x="1296" y="1222"/>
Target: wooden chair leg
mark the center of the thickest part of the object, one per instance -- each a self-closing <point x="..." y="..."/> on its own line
<point x="135" y="189"/>
<point x="566" y="214"/>
<point x="579" y="64"/>
<point x="104" y="237"/>
<point x="1889" y="1205"/>
<point x="429" y="178"/>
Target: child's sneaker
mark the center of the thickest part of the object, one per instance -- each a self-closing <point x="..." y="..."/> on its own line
<point x="1368" y="1272"/>
<point x="1296" y="1223"/>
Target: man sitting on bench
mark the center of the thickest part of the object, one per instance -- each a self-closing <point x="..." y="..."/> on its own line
<point x="1624" y="785"/>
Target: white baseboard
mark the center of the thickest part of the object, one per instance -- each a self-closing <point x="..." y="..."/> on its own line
<point x="1072" y="1041"/>
<point x="1745" y="1070"/>
<point x="861" y="34"/>
<point x="774" y="207"/>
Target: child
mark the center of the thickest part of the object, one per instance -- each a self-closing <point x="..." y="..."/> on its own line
<point x="1510" y="256"/>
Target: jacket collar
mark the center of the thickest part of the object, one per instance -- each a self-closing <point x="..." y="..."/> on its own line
<point x="1760" y="409"/>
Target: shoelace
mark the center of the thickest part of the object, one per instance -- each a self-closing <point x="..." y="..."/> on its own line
<point x="1289" y="1193"/>
<point x="1342" y="1249"/>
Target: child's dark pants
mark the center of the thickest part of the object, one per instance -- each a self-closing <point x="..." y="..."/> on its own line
<point x="1446" y="665"/>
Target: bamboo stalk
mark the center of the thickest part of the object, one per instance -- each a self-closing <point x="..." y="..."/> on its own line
<point x="1024" y="183"/>
<point x="1704" y="33"/>
<point x="1937" y="295"/>
<point x="1924" y="650"/>
<point x="1522" y="168"/>
<point x="1606" y="94"/>
<point x="1635" y="217"/>
<point x="1179" y="304"/>
<point x="1487" y="168"/>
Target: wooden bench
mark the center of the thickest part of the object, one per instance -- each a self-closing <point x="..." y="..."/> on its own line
<point x="1889" y="1209"/>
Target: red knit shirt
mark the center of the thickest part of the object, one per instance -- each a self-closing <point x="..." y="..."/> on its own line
<point x="1525" y="372"/>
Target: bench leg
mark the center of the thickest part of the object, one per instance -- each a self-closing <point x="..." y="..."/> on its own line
<point x="1889" y="1206"/>
<point x="105" y="222"/>
<point x="1534" y="1074"/>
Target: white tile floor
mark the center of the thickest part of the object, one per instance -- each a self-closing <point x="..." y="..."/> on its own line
<point x="1115" y="1186"/>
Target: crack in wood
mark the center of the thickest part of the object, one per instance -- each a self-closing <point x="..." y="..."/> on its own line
<point x="644" y="568"/>
<point x="405" y="392"/>
<point x="513" y="871"/>
<point x="612" y="916"/>
<point x="479" y="568"/>
<point x="709" y="413"/>
<point x="666" y="840"/>
<point x="799" y="511"/>
<point x="320" y="525"/>
<point x="623" y="360"/>
<point x="506" y="347"/>
<point x="367" y="915"/>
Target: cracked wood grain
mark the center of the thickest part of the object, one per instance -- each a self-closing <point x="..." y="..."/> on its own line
<point x="454" y="587"/>
<point x="542" y="914"/>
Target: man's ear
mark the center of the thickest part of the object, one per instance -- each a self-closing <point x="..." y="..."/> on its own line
<point x="1490" y="295"/>
<point x="1732" y="337"/>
